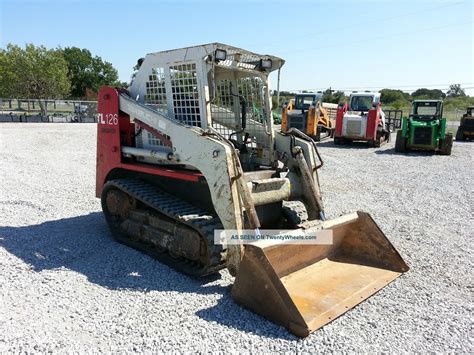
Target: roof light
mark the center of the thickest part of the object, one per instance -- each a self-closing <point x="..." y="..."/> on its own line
<point x="220" y="55"/>
<point x="265" y="64"/>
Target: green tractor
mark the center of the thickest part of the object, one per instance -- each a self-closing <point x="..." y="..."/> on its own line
<point x="425" y="129"/>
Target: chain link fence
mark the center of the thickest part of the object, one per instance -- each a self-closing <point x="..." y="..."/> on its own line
<point x="24" y="110"/>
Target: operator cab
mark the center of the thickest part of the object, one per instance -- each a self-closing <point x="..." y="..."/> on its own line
<point x="363" y="102"/>
<point x="427" y="110"/>
<point x="304" y="101"/>
<point x="214" y="87"/>
<point x="469" y="112"/>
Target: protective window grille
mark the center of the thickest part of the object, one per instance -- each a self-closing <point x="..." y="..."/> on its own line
<point x="222" y="110"/>
<point x="156" y="92"/>
<point x="185" y="93"/>
<point x="138" y="137"/>
<point x="145" y="139"/>
<point x="253" y="90"/>
<point x="152" y="140"/>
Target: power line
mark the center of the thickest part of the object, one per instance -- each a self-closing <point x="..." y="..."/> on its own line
<point x="378" y="20"/>
<point x="345" y="44"/>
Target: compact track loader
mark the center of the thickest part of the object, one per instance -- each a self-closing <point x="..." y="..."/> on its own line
<point x="362" y="120"/>
<point x="307" y="113"/>
<point x="425" y="129"/>
<point x="466" y="126"/>
<point x="190" y="148"/>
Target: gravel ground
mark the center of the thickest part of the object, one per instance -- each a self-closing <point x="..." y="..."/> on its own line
<point x="65" y="286"/>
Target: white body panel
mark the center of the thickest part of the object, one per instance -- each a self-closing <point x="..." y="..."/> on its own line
<point x="354" y="125"/>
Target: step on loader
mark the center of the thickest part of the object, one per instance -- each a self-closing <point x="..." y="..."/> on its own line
<point x="190" y="149"/>
<point x="425" y="129"/>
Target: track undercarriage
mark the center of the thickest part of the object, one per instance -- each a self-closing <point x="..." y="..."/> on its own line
<point x="323" y="133"/>
<point x="163" y="226"/>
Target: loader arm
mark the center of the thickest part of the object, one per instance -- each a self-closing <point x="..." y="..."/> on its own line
<point x="192" y="146"/>
<point x="323" y="118"/>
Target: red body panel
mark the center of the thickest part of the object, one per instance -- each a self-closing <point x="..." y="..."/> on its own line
<point x="114" y="129"/>
<point x="108" y="136"/>
<point x="373" y="121"/>
<point x="341" y="110"/>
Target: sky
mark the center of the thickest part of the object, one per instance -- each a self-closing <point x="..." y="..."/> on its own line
<point x="345" y="45"/>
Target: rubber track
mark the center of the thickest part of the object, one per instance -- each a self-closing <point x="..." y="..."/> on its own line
<point x="183" y="212"/>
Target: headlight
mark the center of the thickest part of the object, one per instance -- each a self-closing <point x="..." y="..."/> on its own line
<point x="265" y="63"/>
<point x="220" y="55"/>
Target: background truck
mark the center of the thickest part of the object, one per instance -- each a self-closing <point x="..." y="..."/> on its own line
<point x="466" y="126"/>
<point x="425" y="129"/>
<point x="307" y="113"/>
<point x="361" y="120"/>
<point x="189" y="151"/>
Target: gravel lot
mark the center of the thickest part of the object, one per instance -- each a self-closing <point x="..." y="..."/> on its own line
<point x="65" y="286"/>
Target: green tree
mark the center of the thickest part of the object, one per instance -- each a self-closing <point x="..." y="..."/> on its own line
<point x="455" y="90"/>
<point x="33" y="73"/>
<point x="400" y="104"/>
<point x="88" y="73"/>
<point x="431" y="94"/>
<point x="333" y="97"/>
<point x="389" y="96"/>
<point x="286" y="93"/>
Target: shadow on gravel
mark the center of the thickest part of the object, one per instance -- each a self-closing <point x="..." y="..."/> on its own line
<point x="352" y="145"/>
<point x="411" y="153"/>
<point x="229" y="314"/>
<point x="83" y="244"/>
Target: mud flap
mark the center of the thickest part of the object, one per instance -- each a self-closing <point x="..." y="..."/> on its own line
<point x="303" y="287"/>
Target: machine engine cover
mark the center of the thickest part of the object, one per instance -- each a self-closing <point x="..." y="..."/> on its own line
<point x="354" y="125"/>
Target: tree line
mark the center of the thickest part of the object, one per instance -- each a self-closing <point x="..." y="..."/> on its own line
<point x="455" y="97"/>
<point x="389" y="96"/>
<point x="35" y="72"/>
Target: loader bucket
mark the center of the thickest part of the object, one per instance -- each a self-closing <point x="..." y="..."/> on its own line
<point x="303" y="287"/>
